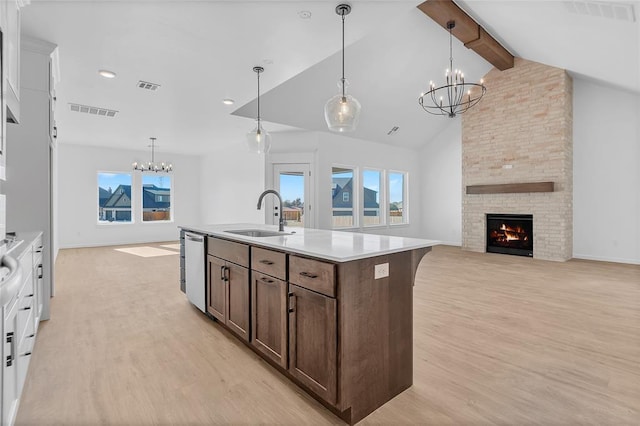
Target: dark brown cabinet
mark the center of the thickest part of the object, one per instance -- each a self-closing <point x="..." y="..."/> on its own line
<point x="269" y="316"/>
<point x="228" y="293"/>
<point x="313" y="341"/>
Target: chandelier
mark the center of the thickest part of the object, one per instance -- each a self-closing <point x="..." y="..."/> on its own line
<point x="342" y="111"/>
<point x="258" y="140"/>
<point x="456" y="96"/>
<point x="152" y="166"/>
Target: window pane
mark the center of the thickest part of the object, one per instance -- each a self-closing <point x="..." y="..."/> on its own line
<point x="114" y="197"/>
<point x="292" y="193"/>
<point x="156" y="198"/>
<point x="371" y="199"/>
<point x="342" y="204"/>
<point x="397" y="199"/>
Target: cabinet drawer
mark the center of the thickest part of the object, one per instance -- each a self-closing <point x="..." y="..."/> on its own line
<point x="269" y="262"/>
<point x="228" y="250"/>
<point x="313" y="275"/>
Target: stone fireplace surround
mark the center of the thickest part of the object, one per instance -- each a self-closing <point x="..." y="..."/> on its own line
<point x="521" y="132"/>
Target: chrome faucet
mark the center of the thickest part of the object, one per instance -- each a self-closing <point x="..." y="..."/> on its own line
<point x="274" y="192"/>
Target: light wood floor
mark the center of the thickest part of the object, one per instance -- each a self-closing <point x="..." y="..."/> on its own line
<point x="498" y="339"/>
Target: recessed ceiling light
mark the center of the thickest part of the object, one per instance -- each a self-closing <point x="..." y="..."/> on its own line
<point x="304" y="14"/>
<point x="107" y="73"/>
<point x="228" y="101"/>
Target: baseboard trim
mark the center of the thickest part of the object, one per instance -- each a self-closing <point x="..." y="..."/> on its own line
<point x="607" y="259"/>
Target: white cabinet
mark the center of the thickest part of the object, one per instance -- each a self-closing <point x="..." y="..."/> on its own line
<point x="20" y="320"/>
<point x="11" y="11"/>
<point x="31" y="160"/>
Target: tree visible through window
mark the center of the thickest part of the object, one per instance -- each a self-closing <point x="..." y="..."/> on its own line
<point x="156" y="198"/>
<point x="114" y="197"/>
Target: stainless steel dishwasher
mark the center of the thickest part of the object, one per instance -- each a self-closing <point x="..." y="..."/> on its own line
<point x="194" y="254"/>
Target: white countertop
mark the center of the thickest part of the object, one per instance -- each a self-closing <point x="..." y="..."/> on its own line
<point x="337" y="246"/>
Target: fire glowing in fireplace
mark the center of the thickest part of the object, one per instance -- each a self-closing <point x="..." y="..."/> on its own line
<point x="511" y="233"/>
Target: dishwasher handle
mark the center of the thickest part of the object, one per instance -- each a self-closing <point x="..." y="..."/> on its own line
<point x="194" y="237"/>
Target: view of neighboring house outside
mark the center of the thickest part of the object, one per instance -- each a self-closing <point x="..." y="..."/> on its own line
<point x="117" y="208"/>
<point x="371" y="184"/>
<point x="343" y="199"/>
<point x="114" y="205"/>
<point x="156" y="198"/>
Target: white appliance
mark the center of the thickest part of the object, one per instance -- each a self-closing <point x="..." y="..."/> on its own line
<point x="194" y="246"/>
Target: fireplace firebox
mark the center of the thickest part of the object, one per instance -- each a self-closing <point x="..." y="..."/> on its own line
<point x="510" y="234"/>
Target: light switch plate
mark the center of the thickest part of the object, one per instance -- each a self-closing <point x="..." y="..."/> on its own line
<point x="381" y="271"/>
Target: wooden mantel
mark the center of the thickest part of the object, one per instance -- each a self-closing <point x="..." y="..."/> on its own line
<point x="511" y="188"/>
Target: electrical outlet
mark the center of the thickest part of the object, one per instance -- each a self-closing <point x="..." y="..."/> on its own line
<point x="381" y="271"/>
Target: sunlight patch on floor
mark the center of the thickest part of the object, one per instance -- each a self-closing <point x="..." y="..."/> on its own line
<point x="146" y="251"/>
<point x="171" y="246"/>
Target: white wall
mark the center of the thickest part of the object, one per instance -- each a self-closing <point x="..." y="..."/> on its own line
<point x="334" y="149"/>
<point x="77" y="197"/>
<point x="606" y="173"/>
<point x="441" y="181"/>
<point x="232" y="180"/>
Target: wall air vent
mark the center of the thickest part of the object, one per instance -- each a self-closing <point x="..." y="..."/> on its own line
<point x="602" y="9"/>
<point x="393" y="130"/>
<point x="148" y="86"/>
<point x="92" y="110"/>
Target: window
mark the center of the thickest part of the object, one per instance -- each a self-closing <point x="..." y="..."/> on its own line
<point x="156" y="197"/>
<point x="371" y="191"/>
<point x="342" y="203"/>
<point x="397" y="198"/>
<point x="114" y="197"/>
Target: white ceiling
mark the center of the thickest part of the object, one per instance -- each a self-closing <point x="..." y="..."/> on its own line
<point x="203" y="51"/>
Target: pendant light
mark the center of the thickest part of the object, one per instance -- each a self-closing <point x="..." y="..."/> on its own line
<point x="342" y="111"/>
<point x="152" y="166"/>
<point x="258" y="140"/>
<point x="456" y="96"/>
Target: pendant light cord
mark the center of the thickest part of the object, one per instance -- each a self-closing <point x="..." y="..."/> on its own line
<point x="343" y="79"/>
<point x="258" y="100"/>
<point x="153" y="156"/>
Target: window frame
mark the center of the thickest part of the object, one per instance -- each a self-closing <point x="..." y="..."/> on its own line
<point x="171" y="197"/>
<point x="355" y="213"/>
<point x="405" y="197"/>
<point x="133" y="199"/>
<point x="382" y="197"/>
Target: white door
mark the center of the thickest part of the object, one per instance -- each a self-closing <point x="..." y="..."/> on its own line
<point x="293" y="182"/>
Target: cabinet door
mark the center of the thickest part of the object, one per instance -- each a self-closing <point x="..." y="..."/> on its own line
<point x="238" y="300"/>
<point x="10" y="367"/>
<point x="217" y="297"/>
<point x="313" y="341"/>
<point x="269" y="315"/>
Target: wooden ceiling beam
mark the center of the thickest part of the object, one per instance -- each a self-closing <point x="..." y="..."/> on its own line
<point x="468" y="32"/>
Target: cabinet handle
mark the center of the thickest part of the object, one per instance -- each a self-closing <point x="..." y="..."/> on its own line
<point x="266" y="262"/>
<point x="31" y="335"/>
<point x="292" y="303"/>
<point x="40" y="272"/>
<point x="222" y="277"/>
<point x="26" y="354"/>
<point x="29" y="295"/>
<point x="266" y="280"/>
<point x="308" y="275"/>
<point x="226" y="273"/>
<point x="10" y="357"/>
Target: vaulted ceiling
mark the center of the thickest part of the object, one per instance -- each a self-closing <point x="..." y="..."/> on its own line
<point x="201" y="52"/>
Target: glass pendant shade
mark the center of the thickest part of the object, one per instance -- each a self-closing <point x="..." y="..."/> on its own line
<point x="342" y="111"/>
<point x="259" y="140"/>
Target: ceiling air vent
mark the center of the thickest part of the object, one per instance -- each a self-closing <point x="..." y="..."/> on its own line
<point x="92" y="110"/>
<point x="603" y="9"/>
<point x="393" y="130"/>
<point x="148" y="86"/>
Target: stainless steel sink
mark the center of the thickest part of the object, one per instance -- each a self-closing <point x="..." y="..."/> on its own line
<point x="257" y="233"/>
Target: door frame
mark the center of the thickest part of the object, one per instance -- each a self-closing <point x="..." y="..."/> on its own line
<point x="293" y="158"/>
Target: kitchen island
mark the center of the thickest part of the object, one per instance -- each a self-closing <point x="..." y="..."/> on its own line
<point x="331" y="310"/>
